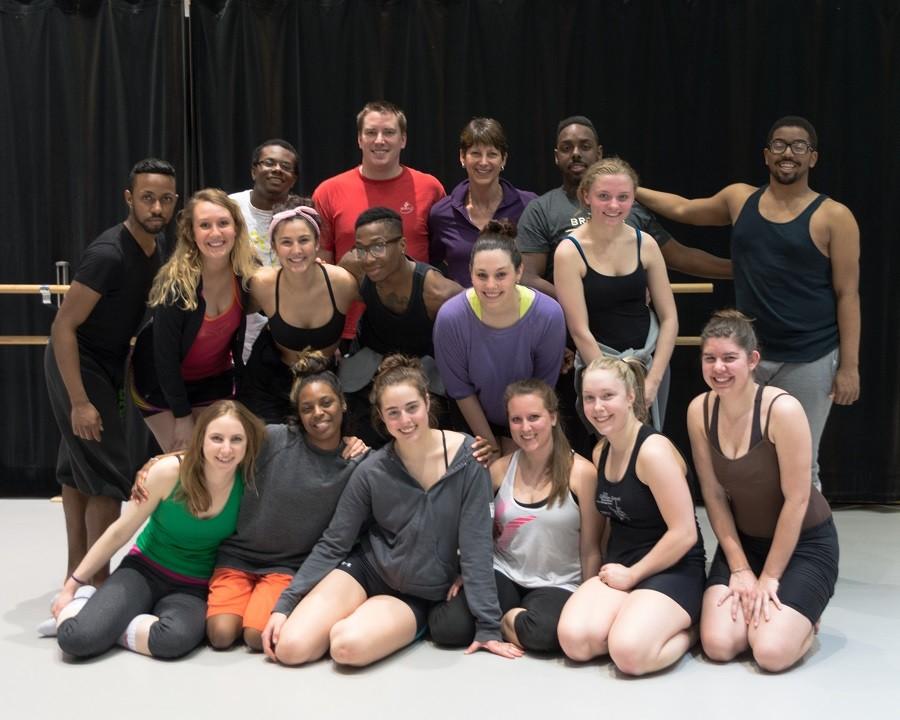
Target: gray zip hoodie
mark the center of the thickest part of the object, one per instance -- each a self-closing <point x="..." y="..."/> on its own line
<point x="412" y="535"/>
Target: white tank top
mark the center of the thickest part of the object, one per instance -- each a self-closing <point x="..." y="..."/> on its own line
<point x="536" y="546"/>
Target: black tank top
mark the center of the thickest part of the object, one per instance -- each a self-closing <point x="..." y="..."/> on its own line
<point x="618" y="316"/>
<point x="783" y="281"/>
<point x="636" y="524"/>
<point x="295" y="338"/>
<point x="753" y="480"/>
<point x="385" y="331"/>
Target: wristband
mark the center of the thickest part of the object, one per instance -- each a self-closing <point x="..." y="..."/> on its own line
<point x="80" y="582"/>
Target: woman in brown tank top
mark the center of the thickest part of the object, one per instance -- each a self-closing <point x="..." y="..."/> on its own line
<point x="776" y="564"/>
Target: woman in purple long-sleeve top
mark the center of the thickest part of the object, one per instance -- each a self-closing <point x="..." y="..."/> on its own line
<point x="493" y="334"/>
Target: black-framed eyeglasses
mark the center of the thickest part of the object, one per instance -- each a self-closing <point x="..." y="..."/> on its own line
<point x="798" y="147"/>
<point x="376" y="250"/>
<point x="270" y="164"/>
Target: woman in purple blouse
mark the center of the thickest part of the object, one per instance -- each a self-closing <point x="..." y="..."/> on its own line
<point x="455" y="221"/>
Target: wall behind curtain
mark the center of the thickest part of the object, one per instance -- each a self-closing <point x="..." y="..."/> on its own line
<point x="684" y="89"/>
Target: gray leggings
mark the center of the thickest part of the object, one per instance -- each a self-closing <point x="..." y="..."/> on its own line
<point x="136" y="588"/>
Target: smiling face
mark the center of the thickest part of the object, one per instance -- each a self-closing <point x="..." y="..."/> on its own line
<point x="494" y="277"/>
<point x="385" y="251"/>
<point x="213" y="229"/>
<point x="275" y="173"/>
<point x="530" y="423"/>
<point x="321" y="411"/>
<point x="295" y="245"/>
<point x="787" y="168"/>
<point x="225" y="443"/>
<point x="608" y="402"/>
<point x="381" y="142"/>
<point x="610" y="198"/>
<point x="404" y="412"/>
<point x="482" y="163"/>
<point x="726" y="365"/>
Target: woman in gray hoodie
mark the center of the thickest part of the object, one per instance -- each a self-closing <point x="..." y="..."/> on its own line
<point x="424" y="502"/>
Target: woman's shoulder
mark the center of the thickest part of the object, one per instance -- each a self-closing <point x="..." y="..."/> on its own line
<point x="163" y="476"/>
<point x="657" y="449"/>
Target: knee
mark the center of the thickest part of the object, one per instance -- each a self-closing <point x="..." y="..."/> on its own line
<point x="76" y="642"/>
<point x="773" y="655"/>
<point x="293" y="651"/>
<point x="253" y="639"/>
<point x="348" y="647"/>
<point x="536" y="633"/>
<point x="449" y="628"/>
<point x="631" y="656"/>
<point x="168" y="640"/>
<point x="576" y="643"/>
<point x="221" y="635"/>
<point x="719" y="647"/>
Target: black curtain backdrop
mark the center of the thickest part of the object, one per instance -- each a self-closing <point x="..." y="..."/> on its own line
<point x="684" y="89"/>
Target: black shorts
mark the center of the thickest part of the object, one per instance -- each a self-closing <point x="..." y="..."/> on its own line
<point x="360" y="569"/>
<point x="808" y="581"/>
<point x="149" y="399"/>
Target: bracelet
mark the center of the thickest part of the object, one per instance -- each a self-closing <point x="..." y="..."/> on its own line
<point x="740" y="569"/>
<point x="80" y="582"/>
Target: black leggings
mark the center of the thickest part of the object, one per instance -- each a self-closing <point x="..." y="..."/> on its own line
<point x="136" y="588"/>
<point x="451" y="623"/>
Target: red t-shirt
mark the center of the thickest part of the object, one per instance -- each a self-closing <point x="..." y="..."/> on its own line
<point x="341" y="199"/>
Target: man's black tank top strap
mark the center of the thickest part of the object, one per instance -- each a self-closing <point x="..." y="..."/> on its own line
<point x="385" y="331"/>
<point x="784" y="281"/>
<point x="295" y="338"/>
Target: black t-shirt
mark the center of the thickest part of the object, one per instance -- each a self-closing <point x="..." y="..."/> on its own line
<point x="115" y="266"/>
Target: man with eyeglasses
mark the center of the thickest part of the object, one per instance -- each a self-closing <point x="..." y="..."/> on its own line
<point x="380" y="180"/>
<point x="274" y="168"/>
<point x="402" y="297"/>
<point x="796" y="263"/>
<point x="84" y="363"/>
<point x="547" y="219"/>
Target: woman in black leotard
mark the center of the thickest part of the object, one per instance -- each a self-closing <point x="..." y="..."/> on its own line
<point x="306" y="303"/>
<point x="642" y="606"/>
<point x="777" y="561"/>
<point x="602" y="272"/>
<point x="422" y="503"/>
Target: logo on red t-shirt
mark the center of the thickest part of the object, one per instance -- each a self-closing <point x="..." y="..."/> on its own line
<point x="407" y="207"/>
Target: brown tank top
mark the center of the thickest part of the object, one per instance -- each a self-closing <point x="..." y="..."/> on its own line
<point x="753" y="480"/>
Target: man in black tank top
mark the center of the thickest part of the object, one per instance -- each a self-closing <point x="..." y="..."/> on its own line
<point x="796" y="272"/>
<point x="402" y="297"/>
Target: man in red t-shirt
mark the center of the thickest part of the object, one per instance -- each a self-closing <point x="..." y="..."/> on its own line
<point x="379" y="180"/>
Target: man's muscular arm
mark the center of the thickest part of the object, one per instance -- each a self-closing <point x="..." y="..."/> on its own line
<point x="844" y="252"/>
<point x="720" y="209"/>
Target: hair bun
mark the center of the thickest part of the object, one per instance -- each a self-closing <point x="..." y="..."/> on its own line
<point x="395" y="361"/>
<point x="499" y="227"/>
<point x="309" y="362"/>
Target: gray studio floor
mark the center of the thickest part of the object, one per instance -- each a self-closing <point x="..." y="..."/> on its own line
<point x="852" y="671"/>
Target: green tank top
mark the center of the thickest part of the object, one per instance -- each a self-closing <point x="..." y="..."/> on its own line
<point x="184" y="544"/>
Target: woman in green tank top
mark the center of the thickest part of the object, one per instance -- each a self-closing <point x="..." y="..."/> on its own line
<point x="155" y="602"/>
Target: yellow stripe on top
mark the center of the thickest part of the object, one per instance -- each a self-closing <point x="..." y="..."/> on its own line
<point x="526" y="300"/>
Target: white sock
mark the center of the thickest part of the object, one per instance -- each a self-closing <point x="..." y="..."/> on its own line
<point x="127" y="639"/>
<point x="82" y="595"/>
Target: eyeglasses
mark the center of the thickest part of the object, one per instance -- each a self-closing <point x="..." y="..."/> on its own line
<point x="376" y="250"/>
<point x="798" y="147"/>
<point x="270" y="164"/>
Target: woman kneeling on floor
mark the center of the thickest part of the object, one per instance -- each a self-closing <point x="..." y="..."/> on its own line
<point x="777" y="561"/>
<point x="425" y="504"/>
<point x="642" y="607"/>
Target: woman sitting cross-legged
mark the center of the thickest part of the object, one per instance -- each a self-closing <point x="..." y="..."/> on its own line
<point x="643" y="605"/>
<point x="423" y="505"/>
<point x="547" y="530"/>
<point x="155" y="602"/>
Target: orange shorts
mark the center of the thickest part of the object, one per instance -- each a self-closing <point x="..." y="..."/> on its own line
<point x="251" y="596"/>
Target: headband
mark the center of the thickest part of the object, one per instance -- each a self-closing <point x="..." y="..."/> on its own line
<point x="304" y="212"/>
